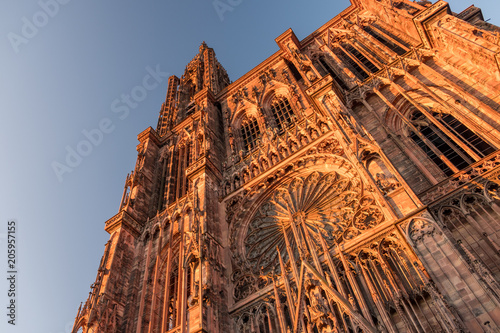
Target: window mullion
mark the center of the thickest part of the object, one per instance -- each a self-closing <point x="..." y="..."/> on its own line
<point x="365" y="35"/>
<point x="471" y="144"/>
<point x="452" y="144"/>
<point x="336" y="59"/>
<point x="323" y="62"/>
<point x="435" y="150"/>
<point x="383" y="34"/>
<point x="437" y="123"/>
<point x="353" y="58"/>
<point x="372" y="59"/>
<point x="416" y="131"/>
<point x="452" y="136"/>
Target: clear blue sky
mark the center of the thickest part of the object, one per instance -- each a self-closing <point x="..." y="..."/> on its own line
<point x="62" y="80"/>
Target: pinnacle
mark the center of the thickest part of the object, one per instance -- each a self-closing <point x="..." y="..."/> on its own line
<point x="203" y="46"/>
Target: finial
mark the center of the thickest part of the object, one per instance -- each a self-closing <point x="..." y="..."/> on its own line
<point x="203" y="46"/>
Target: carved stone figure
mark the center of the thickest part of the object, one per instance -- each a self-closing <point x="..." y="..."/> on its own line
<point x="386" y="183"/>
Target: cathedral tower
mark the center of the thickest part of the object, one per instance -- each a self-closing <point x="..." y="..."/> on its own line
<point x="349" y="183"/>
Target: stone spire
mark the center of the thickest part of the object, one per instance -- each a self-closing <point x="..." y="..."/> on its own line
<point x="204" y="72"/>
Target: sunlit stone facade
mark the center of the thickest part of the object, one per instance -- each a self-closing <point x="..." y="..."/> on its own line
<point x="349" y="183"/>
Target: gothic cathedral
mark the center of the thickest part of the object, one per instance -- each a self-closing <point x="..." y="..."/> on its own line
<point x="349" y="183"/>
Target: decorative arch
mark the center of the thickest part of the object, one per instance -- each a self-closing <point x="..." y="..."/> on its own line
<point x="242" y="112"/>
<point x="467" y="223"/>
<point x="279" y="90"/>
<point x="323" y="162"/>
<point x="250" y="133"/>
<point x="279" y="107"/>
<point x="420" y="227"/>
<point x="325" y="203"/>
<point x="260" y="318"/>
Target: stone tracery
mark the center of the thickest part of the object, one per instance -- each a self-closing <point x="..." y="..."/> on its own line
<point x="326" y="205"/>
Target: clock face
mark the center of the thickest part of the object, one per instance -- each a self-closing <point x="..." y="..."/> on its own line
<point x="326" y="205"/>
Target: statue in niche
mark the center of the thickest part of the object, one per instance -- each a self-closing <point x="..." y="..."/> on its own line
<point x="311" y="76"/>
<point x="193" y="298"/>
<point x="274" y="159"/>
<point x="301" y="58"/>
<point x="268" y="136"/>
<point x="319" y="309"/>
<point x="381" y="174"/>
<point x="386" y="183"/>
<point x="231" y="142"/>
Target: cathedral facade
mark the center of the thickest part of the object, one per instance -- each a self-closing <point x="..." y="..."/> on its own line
<point x="348" y="183"/>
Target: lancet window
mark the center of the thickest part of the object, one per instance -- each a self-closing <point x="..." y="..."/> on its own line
<point x="351" y="64"/>
<point x="282" y="112"/>
<point x="386" y="41"/>
<point x="179" y="181"/>
<point x="326" y="66"/>
<point x="293" y="70"/>
<point x="173" y="286"/>
<point x="250" y="133"/>
<point x="450" y="144"/>
<point x="366" y="63"/>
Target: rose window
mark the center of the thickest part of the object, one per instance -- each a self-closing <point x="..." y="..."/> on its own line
<point x="329" y="206"/>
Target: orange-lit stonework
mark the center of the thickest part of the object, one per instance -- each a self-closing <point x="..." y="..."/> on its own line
<point x="349" y="183"/>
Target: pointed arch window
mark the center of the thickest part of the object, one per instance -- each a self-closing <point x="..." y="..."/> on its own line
<point x="172" y="297"/>
<point x="250" y="132"/>
<point x="282" y="112"/>
<point x="351" y="64"/>
<point x="384" y="40"/>
<point x="370" y="66"/>
<point x="453" y="146"/>
<point x="329" y="69"/>
<point x="179" y="185"/>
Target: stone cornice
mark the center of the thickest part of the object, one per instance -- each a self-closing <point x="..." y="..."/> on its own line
<point x="251" y="75"/>
<point x="460" y="180"/>
<point x="277" y="56"/>
<point x="123" y="219"/>
<point x="421" y="20"/>
<point x="202" y="166"/>
<point x="148" y="133"/>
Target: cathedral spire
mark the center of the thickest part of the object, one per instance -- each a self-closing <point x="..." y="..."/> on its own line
<point x="203" y="72"/>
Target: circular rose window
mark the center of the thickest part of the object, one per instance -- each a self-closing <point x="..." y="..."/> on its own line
<point x="293" y="218"/>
